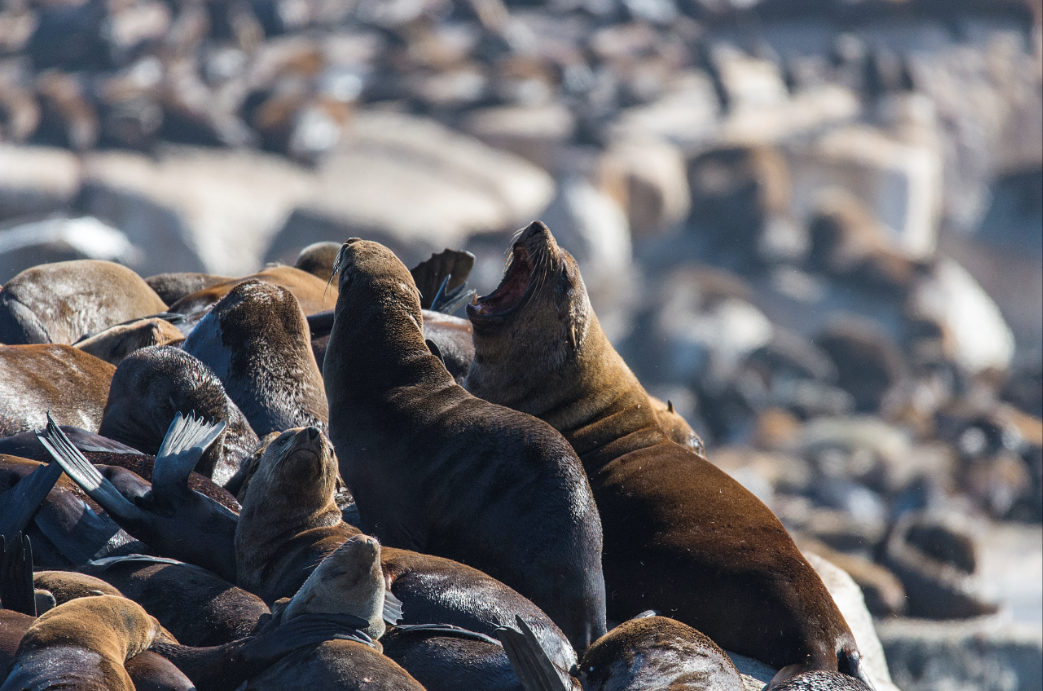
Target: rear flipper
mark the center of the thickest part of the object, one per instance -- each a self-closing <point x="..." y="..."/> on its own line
<point x="186" y="441"/>
<point x="392" y="608"/>
<point x="18" y="504"/>
<point x="529" y="659"/>
<point x="84" y="474"/>
<point x="16" y="575"/>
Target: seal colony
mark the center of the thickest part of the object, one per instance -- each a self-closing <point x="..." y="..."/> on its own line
<point x="440" y="536"/>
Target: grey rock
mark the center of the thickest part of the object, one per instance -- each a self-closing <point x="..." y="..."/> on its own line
<point x="36" y="180"/>
<point x="62" y="239"/>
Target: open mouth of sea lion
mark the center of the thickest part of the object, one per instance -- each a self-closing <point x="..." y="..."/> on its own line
<point x="512" y="289"/>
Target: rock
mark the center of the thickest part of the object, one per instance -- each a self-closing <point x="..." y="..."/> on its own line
<point x="984" y="654"/>
<point x="975" y="332"/>
<point x="192" y="209"/>
<point x="535" y="133"/>
<point x="883" y="592"/>
<point x="36" y="180"/>
<point x="414" y="185"/>
<point x="899" y="181"/>
<point x="62" y="239"/>
<point x="652" y="174"/>
<point x="865" y="449"/>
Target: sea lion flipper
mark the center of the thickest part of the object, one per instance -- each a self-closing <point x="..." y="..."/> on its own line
<point x="448" y="302"/>
<point x="186" y="440"/>
<point x="449" y="268"/>
<point x="529" y="659"/>
<point x="83" y="472"/>
<point x="392" y="608"/>
<point x="16" y="575"/>
<point x="18" y="504"/>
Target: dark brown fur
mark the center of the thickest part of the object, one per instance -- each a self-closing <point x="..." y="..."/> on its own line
<point x="171" y="287"/>
<point x="58" y="303"/>
<point x="437" y="470"/>
<point x="681" y="536"/>
<point x="152" y="385"/>
<point x="71" y="384"/>
<point x="256" y="340"/>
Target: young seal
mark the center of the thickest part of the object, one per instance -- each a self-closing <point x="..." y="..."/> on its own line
<point x="69" y="383"/>
<point x="437" y="470"/>
<point x="256" y="341"/>
<point x="150" y="386"/>
<point x="681" y="536"/>
<point x="117" y="342"/>
<point x="83" y="642"/>
<point x="290" y="522"/>
<point x="58" y="303"/>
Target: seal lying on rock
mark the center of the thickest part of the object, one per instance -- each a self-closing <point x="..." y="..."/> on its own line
<point x="681" y="536"/>
<point x="437" y="470"/>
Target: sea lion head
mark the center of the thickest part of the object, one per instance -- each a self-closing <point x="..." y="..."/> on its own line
<point x="297" y="469"/>
<point x="348" y="581"/>
<point x="368" y="270"/>
<point x="543" y="298"/>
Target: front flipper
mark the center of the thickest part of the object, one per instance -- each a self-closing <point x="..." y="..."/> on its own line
<point x="392" y="608"/>
<point x="529" y="659"/>
<point x="18" y="504"/>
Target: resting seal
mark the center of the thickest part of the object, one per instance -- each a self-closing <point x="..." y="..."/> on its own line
<point x="681" y="536"/>
<point x="311" y="291"/>
<point x="256" y="341"/>
<point x="153" y="384"/>
<point x="437" y="470"/>
<point x="58" y="303"/>
<point x="117" y="342"/>
<point x="71" y="384"/>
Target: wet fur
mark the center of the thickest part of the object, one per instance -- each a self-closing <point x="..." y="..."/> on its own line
<point x="681" y="536"/>
<point x="437" y="470"/>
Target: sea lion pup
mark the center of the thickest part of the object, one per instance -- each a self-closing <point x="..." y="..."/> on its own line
<point x="256" y="341"/>
<point x="70" y="383"/>
<point x="437" y="470"/>
<point x="153" y="384"/>
<point x="171" y="287"/>
<point x="680" y="535"/>
<point x="175" y="520"/>
<point x="58" y="303"/>
<point x="83" y="644"/>
<point x="117" y="342"/>
<point x="646" y="652"/>
<point x="312" y="292"/>
<point x="290" y="522"/>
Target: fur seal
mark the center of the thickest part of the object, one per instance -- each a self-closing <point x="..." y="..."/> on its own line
<point x="675" y="426"/>
<point x="256" y="341"/>
<point x="71" y="384"/>
<point x="290" y="522"/>
<point x="434" y="469"/>
<point x="153" y="384"/>
<point x="117" y="342"/>
<point x="646" y="652"/>
<point x="318" y="258"/>
<point x="312" y="292"/>
<point x="70" y="585"/>
<point x="58" y="303"/>
<point x="171" y="287"/>
<point x="84" y="642"/>
<point x="445" y="658"/>
<point x="681" y="536"/>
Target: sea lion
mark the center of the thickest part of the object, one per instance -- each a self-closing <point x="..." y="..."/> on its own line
<point x="681" y="536"/>
<point x="313" y="293"/>
<point x="84" y="642"/>
<point x="171" y="287"/>
<point x="153" y="384"/>
<point x="675" y="426"/>
<point x="175" y="520"/>
<point x="317" y="259"/>
<point x="646" y="652"/>
<point x="434" y="469"/>
<point x="256" y="341"/>
<point x="58" y="303"/>
<point x="290" y="522"/>
<point x="117" y="342"/>
<point x="70" y="585"/>
<point x="198" y="607"/>
<point x="71" y="384"/>
<point x="444" y="658"/>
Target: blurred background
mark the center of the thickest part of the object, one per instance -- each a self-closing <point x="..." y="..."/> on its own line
<point x="815" y="226"/>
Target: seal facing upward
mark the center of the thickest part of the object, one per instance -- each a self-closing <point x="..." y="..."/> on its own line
<point x="681" y="536"/>
<point x="436" y="470"/>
